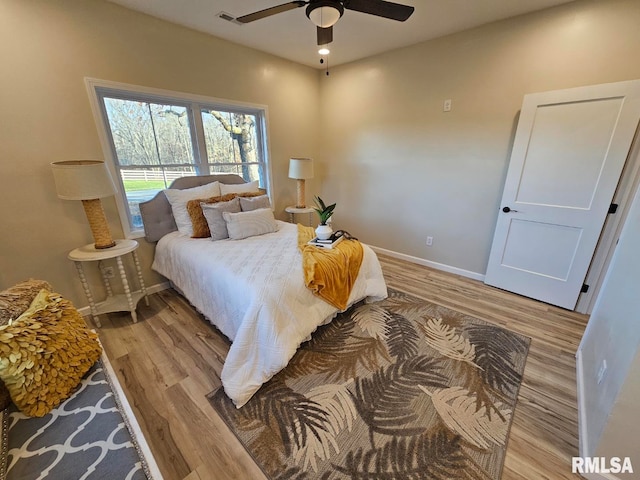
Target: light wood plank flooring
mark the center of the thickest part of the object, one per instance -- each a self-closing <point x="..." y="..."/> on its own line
<point x="171" y="358"/>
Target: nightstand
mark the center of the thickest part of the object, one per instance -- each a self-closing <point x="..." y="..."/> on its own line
<point x="294" y="210"/>
<point x="124" y="302"/>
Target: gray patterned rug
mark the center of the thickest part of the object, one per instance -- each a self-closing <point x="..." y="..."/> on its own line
<point x="399" y="389"/>
<point x="89" y="436"/>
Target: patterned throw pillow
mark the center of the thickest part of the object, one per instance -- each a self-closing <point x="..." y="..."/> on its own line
<point x="250" y="224"/>
<point x="45" y="352"/>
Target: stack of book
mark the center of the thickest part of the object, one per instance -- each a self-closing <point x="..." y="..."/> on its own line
<point x="331" y="242"/>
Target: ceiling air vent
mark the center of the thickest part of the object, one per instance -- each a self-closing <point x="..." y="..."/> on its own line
<point x="228" y="17"/>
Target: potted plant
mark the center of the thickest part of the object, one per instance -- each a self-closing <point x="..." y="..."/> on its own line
<point x="324" y="231"/>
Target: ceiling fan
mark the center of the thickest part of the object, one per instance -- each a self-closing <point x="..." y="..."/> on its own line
<point x="325" y="13"/>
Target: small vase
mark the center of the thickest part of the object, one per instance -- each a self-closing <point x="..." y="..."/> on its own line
<point x="323" y="232"/>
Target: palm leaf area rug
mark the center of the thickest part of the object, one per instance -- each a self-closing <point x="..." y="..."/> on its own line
<point x="398" y="389"/>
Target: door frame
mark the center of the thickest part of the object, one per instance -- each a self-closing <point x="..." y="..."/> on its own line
<point x="628" y="184"/>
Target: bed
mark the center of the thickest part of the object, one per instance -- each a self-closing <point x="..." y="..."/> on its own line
<point x="252" y="290"/>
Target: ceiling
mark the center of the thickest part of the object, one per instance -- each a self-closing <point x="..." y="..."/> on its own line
<point x="291" y="34"/>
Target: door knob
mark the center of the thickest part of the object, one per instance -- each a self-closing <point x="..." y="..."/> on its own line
<point x="507" y="210"/>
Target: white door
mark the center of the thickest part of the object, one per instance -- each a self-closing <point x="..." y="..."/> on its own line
<point x="568" y="154"/>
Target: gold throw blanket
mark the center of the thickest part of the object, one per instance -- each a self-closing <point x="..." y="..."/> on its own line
<point x="330" y="273"/>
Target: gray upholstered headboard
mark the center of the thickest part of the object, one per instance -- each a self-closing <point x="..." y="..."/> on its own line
<point x="156" y="213"/>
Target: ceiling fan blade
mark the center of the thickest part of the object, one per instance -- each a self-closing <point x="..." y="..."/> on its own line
<point x="267" y="12"/>
<point x="381" y="8"/>
<point x="325" y="35"/>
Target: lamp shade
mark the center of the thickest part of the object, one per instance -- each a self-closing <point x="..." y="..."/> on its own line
<point x="82" y="180"/>
<point x="300" y="168"/>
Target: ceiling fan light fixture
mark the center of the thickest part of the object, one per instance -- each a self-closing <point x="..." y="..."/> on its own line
<point x="325" y="14"/>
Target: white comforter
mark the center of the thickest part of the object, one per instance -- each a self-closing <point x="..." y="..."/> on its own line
<point x="253" y="291"/>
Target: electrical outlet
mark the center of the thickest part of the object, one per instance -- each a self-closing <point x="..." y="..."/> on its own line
<point x="446" y="107"/>
<point x="429" y="241"/>
<point x="108" y="272"/>
<point x="601" y="371"/>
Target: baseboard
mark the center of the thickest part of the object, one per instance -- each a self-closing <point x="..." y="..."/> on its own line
<point x="158" y="287"/>
<point x="428" y="263"/>
<point x="583" y="444"/>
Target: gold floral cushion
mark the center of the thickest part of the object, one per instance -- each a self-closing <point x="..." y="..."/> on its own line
<point x="14" y="301"/>
<point x="200" y="225"/>
<point x="45" y="352"/>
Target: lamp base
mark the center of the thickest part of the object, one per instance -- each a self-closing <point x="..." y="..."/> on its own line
<point x="102" y="247"/>
<point x="301" y="193"/>
<point x="98" y="224"/>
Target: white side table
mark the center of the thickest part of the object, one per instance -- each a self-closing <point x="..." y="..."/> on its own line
<point x="293" y="210"/>
<point x="113" y="303"/>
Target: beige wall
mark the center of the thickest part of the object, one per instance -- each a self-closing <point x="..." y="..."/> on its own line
<point x="47" y="48"/>
<point x="401" y="169"/>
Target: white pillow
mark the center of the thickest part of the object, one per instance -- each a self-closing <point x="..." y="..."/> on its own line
<point x="250" y="187"/>
<point x="179" y="198"/>
<point x="249" y="224"/>
<point x="213" y="213"/>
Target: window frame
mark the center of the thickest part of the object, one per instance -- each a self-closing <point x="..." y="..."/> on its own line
<point x="97" y="89"/>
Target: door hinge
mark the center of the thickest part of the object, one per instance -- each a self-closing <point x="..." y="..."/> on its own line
<point x="585" y="288"/>
<point x="613" y="208"/>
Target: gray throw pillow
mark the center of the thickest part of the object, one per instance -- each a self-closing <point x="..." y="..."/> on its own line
<point x="213" y="213"/>
<point x="248" y="204"/>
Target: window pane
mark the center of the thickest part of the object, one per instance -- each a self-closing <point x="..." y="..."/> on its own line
<point x="149" y="133"/>
<point x="154" y="140"/>
<point x="141" y="184"/>
<point x="231" y="143"/>
<point x="173" y="134"/>
<point x="148" y="138"/>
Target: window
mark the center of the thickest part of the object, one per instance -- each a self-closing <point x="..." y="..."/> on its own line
<point x="155" y="138"/>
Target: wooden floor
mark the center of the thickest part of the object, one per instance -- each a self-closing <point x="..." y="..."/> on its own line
<point x="172" y="358"/>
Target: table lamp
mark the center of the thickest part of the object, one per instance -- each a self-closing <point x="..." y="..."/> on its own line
<point x="89" y="181"/>
<point x="300" y="169"/>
